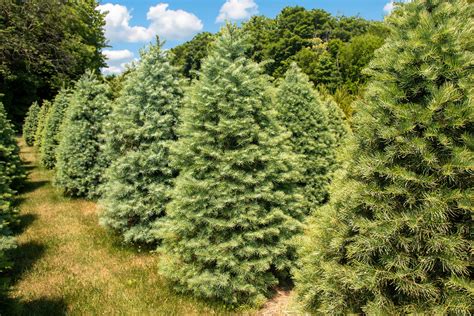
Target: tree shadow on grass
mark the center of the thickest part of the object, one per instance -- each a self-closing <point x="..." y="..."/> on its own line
<point x="24" y="221"/>
<point x="31" y="186"/>
<point x="42" y="306"/>
<point x="24" y="257"/>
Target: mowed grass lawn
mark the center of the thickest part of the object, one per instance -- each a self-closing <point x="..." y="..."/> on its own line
<point x="66" y="263"/>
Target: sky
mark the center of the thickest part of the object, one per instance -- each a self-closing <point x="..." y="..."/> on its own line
<point x="132" y="24"/>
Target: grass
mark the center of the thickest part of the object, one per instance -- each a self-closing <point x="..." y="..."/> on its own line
<point x="65" y="263"/>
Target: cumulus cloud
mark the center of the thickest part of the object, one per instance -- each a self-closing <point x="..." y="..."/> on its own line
<point x="237" y="10"/>
<point x="167" y="23"/>
<point x="117" y="54"/>
<point x="388" y="7"/>
<point x="174" y="24"/>
<point x="117" y="60"/>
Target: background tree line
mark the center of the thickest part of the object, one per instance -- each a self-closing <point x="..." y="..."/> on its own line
<point x="46" y="44"/>
<point x="331" y="50"/>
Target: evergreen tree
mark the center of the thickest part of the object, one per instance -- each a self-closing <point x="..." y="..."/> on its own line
<point x="303" y="113"/>
<point x="338" y="125"/>
<point x="51" y="128"/>
<point x="397" y="237"/>
<point x="42" y="117"/>
<point x="233" y="208"/>
<point x="31" y="123"/>
<point x="79" y="161"/>
<point x="10" y="174"/>
<point x="138" y="134"/>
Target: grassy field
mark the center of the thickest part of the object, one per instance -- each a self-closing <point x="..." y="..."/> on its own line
<point x="66" y="263"/>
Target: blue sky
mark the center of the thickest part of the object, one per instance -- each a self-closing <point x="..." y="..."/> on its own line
<point x="132" y="24"/>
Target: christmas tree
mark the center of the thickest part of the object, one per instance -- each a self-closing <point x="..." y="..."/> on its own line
<point x="138" y="134"/>
<point x="234" y="206"/>
<point x="338" y="125"/>
<point x="80" y="162"/>
<point x="31" y="123"/>
<point x="51" y="128"/>
<point x="42" y="117"/>
<point x="397" y="237"/>
<point x="304" y="114"/>
<point x="11" y="174"/>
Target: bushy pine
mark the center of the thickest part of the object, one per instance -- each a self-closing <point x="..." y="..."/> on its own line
<point x="138" y="134"/>
<point x="11" y="173"/>
<point x="79" y="159"/>
<point x="50" y="135"/>
<point x="302" y="111"/>
<point x="31" y="123"/>
<point x="234" y="206"/>
<point x="42" y="117"/>
<point x="397" y="238"/>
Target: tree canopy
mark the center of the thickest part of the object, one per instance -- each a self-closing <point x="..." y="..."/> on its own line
<point x="45" y="44"/>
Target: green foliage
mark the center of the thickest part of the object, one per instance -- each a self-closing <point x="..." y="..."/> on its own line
<point x="50" y="137"/>
<point x="42" y="117"/>
<point x="258" y="32"/>
<point x="397" y="236"/>
<point x="46" y="44"/>
<point x="234" y="206"/>
<point x="31" y="124"/>
<point x="303" y="113"/>
<point x="338" y="126"/>
<point x="355" y="56"/>
<point x="290" y="37"/>
<point x="188" y="56"/>
<point x="11" y="173"/>
<point x="80" y="164"/>
<point x="138" y="134"/>
<point x="320" y="66"/>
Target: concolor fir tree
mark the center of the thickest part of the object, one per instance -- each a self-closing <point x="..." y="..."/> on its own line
<point x="303" y="113"/>
<point x="139" y="132"/>
<point x="51" y="128"/>
<point x="31" y="123"/>
<point x="397" y="238"/>
<point x="233" y="208"/>
<point x="42" y="116"/>
<point x="80" y="162"/>
<point x="10" y="175"/>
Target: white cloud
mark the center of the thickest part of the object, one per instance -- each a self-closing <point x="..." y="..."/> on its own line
<point x="117" y="27"/>
<point x="173" y="24"/>
<point x="168" y="24"/>
<point x="117" y="60"/>
<point x="388" y="7"/>
<point x="117" y="67"/>
<point x="117" y="54"/>
<point x="237" y="10"/>
<point x="112" y="70"/>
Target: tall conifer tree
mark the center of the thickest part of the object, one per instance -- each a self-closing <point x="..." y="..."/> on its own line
<point x="11" y="173"/>
<point x="80" y="162"/>
<point x="302" y="111"/>
<point x="233" y="208"/>
<point x="139" y="131"/>
<point x="42" y="117"/>
<point x="397" y="238"/>
<point x="51" y="128"/>
<point x="31" y="123"/>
